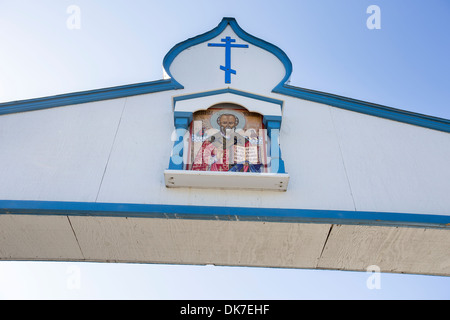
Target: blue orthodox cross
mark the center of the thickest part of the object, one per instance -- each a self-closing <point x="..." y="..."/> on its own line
<point x="228" y="45"/>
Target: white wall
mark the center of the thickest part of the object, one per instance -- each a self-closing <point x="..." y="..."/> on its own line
<point x="59" y="153"/>
<point x="393" y="166"/>
<point x="117" y="150"/>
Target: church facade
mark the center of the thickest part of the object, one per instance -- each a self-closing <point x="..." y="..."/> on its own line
<point x="224" y="162"/>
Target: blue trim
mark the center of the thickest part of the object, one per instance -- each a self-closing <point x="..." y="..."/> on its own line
<point x="86" y="96"/>
<point x="177" y="49"/>
<point x="364" y="107"/>
<point x="228" y="90"/>
<point x="272" y="122"/>
<point x="182" y="119"/>
<point x="176" y="157"/>
<point x="223" y="213"/>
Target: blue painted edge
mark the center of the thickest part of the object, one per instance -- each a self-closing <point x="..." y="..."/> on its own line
<point x="272" y="122"/>
<point x="178" y="48"/>
<point x="228" y="90"/>
<point x="26" y="207"/>
<point x="182" y="119"/>
<point x="368" y="108"/>
<point x="87" y="96"/>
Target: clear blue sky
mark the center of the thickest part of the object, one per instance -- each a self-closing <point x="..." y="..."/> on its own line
<point x="404" y="65"/>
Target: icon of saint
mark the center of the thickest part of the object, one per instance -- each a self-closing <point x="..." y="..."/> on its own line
<point x="227" y="149"/>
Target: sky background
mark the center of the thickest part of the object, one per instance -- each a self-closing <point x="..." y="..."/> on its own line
<point x="404" y="65"/>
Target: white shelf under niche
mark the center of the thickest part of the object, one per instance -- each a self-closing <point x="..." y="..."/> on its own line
<point x="226" y="180"/>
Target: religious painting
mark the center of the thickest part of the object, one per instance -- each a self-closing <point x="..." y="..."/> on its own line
<point x="227" y="138"/>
